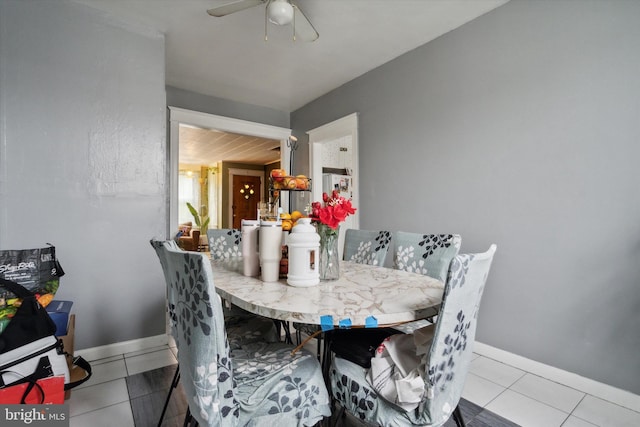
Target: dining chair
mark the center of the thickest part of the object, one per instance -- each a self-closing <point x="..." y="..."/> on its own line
<point x="428" y="254"/>
<point x="366" y="246"/>
<point x="442" y="364"/>
<point x="242" y="326"/>
<point x="362" y="247"/>
<point x="241" y="329"/>
<point x="224" y="243"/>
<point x="257" y="384"/>
<point x="161" y="246"/>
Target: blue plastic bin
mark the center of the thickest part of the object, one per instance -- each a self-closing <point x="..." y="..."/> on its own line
<point x="59" y="312"/>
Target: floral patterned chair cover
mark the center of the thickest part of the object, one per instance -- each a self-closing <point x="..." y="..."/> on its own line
<point x="241" y="330"/>
<point x="242" y="327"/>
<point x="366" y="247"/>
<point x="224" y="243"/>
<point x="261" y="384"/>
<point x="428" y="254"/>
<point x="161" y="246"/>
<point x="444" y="366"/>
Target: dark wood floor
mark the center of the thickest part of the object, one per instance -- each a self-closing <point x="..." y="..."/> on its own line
<point x="148" y="391"/>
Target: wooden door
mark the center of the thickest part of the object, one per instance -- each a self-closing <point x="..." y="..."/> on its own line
<point x="246" y="196"/>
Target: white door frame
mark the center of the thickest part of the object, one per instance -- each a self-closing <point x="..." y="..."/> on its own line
<point x="179" y="116"/>
<point x="345" y="126"/>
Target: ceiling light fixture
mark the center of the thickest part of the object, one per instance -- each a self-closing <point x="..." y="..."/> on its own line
<point x="280" y="12"/>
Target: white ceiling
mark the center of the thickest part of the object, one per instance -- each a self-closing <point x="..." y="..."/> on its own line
<point x="228" y="58"/>
<point x="207" y="147"/>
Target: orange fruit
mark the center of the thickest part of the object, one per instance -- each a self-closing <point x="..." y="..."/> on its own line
<point x="278" y="174"/>
<point x="296" y="215"/>
<point x="301" y="183"/>
<point x="290" y="182"/>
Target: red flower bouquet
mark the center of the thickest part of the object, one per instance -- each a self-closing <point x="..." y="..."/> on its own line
<point x="335" y="210"/>
<point x="327" y="216"/>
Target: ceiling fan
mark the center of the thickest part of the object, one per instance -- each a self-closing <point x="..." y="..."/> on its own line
<point x="279" y="12"/>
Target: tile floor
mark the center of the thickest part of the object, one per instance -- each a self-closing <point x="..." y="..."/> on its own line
<point x="516" y="395"/>
<point x="148" y="392"/>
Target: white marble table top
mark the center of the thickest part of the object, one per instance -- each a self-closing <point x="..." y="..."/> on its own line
<point x="391" y="296"/>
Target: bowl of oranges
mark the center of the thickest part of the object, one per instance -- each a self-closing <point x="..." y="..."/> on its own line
<point x="280" y="180"/>
<point x="289" y="219"/>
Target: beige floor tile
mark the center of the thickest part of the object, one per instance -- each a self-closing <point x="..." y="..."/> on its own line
<point x="115" y="415"/>
<point x="496" y="372"/>
<point x="145" y="351"/>
<point x="98" y="396"/>
<point x="525" y="411"/>
<point x="149" y="361"/>
<point x="553" y="394"/>
<point x="104" y="372"/>
<point x="606" y="414"/>
<point x="480" y="391"/>
<point x="576" y="422"/>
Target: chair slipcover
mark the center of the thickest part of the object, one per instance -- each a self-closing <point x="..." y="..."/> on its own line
<point x="242" y="327"/>
<point x="428" y="254"/>
<point x="161" y="247"/>
<point x="259" y="384"/>
<point x="443" y="367"/>
<point x="366" y="247"/>
<point x="224" y="243"/>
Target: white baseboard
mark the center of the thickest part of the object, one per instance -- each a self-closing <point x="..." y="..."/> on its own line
<point x="100" y="352"/>
<point x="603" y="391"/>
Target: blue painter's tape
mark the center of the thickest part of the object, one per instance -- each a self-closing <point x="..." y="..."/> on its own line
<point x="370" y="322"/>
<point x="345" y="323"/>
<point x="326" y="322"/>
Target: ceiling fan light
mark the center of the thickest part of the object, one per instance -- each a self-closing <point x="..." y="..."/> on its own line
<point x="280" y="12"/>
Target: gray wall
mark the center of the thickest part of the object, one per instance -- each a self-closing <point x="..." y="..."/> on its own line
<point x="520" y="128"/>
<point x="223" y="107"/>
<point x="82" y="149"/>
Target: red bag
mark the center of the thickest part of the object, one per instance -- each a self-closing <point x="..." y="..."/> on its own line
<point x="48" y="390"/>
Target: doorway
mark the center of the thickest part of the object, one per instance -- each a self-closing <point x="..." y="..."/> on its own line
<point x="179" y="116"/>
<point x="334" y="146"/>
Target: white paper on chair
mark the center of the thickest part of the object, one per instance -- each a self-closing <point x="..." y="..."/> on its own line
<point x="394" y="372"/>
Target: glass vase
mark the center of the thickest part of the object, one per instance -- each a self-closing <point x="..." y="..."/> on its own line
<point x="329" y="266"/>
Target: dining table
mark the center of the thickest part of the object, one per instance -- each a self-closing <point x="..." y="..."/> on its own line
<point x="363" y="296"/>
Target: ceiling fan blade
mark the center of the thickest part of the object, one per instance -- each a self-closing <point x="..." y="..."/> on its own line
<point x="234" y="7"/>
<point x="302" y="26"/>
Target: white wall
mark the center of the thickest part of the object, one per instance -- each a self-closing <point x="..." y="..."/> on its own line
<point x="520" y="128"/>
<point x="82" y="159"/>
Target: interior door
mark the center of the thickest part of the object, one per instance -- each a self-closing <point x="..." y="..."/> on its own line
<point x="246" y="196"/>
